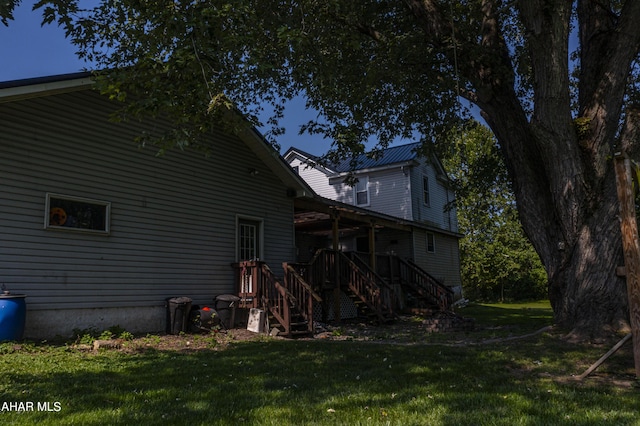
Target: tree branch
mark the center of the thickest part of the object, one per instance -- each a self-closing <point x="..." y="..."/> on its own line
<point x="609" y="44"/>
<point x="426" y="12"/>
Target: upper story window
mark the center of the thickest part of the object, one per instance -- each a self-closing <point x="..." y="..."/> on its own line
<point x="296" y="169"/>
<point x="426" y="198"/>
<point x="362" y="191"/>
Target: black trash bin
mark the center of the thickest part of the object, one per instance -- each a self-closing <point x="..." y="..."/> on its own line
<point x="178" y="309"/>
<point x="226" y="308"/>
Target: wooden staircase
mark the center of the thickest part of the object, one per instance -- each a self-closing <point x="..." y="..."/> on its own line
<point x="420" y="289"/>
<point x="288" y="302"/>
<point x="368" y="289"/>
<point x="378" y="294"/>
<point x="333" y="270"/>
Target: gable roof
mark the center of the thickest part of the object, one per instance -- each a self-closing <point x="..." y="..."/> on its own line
<point x="392" y="155"/>
<point x="388" y="156"/>
<point x="293" y="151"/>
<point x="16" y="90"/>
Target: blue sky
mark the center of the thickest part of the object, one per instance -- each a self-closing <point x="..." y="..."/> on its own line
<point x="28" y="50"/>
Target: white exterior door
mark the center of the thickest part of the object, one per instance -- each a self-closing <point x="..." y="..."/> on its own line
<point x="249" y="240"/>
<point x="249" y="247"/>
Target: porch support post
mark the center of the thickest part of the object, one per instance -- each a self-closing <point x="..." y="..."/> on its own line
<point x="372" y="246"/>
<point x="337" y="315"/>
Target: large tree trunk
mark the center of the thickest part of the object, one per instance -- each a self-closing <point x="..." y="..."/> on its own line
<point x="587" y="296"/>
<point x="561" y="168"/>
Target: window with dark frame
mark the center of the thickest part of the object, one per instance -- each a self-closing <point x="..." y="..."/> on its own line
<point x="69" y="213"/>
<point x="362" y="191"/>
<point x="425" y="191"/>
<point x="431" y="242"/>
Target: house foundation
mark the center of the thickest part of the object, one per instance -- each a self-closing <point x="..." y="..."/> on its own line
<point x="47" y="324"/>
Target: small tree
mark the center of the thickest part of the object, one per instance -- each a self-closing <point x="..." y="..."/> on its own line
<point x="497" y="260"/>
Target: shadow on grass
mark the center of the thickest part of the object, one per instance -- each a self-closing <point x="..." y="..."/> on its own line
<point x="313" y="382"/>
<point x="525" y="317"/>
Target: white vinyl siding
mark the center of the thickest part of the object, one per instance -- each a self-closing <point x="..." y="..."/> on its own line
<point x="388" y="193"/>
<point x="444" y="263"/>
<point x="318" y="179"/>
<point x="435" y="211"/>
<point x="173" y="217"/>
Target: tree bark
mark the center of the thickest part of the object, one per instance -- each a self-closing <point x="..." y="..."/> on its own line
<point x="563" y="177"/>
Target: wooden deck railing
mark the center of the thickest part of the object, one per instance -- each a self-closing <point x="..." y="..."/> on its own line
<point x="260" y="288"/>
<point x="412" y="275"/>
<point x="386" y="289"/>
<point x="365" y="285"/>
<point x="302" y="294"/>
<point x="395" y="270"/>
<point x="328" y="269"/>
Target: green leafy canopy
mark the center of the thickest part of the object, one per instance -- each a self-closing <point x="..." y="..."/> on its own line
<point x="497" y="260"/>
<point x="364" y="66"/>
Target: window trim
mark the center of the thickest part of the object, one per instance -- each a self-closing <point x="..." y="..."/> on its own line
<point x="426" y="191"/>
<point x="250" y="220"/>
<point x="365" y="180"/>
<point x="432" y="236"/>
<point x="106" y="205"/>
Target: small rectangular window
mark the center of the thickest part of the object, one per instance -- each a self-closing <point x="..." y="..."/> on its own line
<point x="425" y="191"/>
<point x="431" y="242"/>
<point x="68" y="213"/>
<point x="362" y="191"/>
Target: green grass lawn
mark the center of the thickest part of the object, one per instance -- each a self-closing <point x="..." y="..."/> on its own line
<point x="522" y="317"/>
<point x="283" y="382"/>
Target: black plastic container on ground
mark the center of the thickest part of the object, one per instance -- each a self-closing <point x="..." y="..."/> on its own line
<point x="203" y="320"/>
<point x="178" y="309"/>
<point x="13" y="313"/>
<point x="226" y="309"/>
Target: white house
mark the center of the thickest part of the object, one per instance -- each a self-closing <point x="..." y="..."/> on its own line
<point x="401" y="184"/>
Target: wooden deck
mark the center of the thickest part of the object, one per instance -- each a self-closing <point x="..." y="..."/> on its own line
<point x="293" y="299"/>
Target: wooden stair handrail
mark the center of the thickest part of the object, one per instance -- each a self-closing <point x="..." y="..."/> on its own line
<point x="372" y="297"/>
<point x="280" y="305"/>
<point x="303" y="295"/>
<point x="280" y="298"/>
<point x="442" y="294"/>
<point x="292" y="270"/>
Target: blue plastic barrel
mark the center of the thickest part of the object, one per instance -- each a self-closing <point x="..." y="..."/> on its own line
<point x="13" y="312"/>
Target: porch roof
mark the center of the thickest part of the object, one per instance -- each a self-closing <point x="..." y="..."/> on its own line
<point x="315" y="216"/>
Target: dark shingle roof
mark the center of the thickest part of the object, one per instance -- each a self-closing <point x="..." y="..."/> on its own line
<point x="393" y="155"/>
